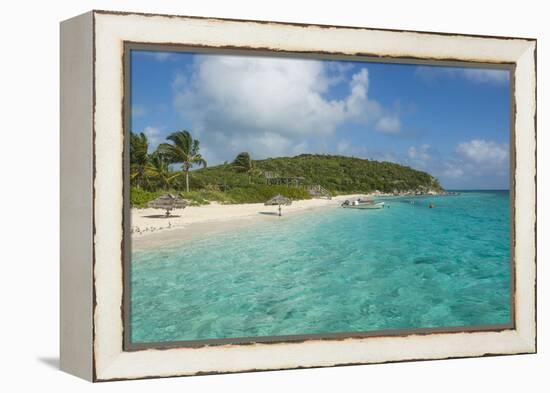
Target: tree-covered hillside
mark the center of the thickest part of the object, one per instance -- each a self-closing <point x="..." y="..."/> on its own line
<point x="338" y="174"/>
<point x="178" y="167"/>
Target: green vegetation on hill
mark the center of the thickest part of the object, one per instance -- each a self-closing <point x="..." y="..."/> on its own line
<point x="254" y="193"/>
<point x="338" y="174"/>
<point x="169" y="170"/>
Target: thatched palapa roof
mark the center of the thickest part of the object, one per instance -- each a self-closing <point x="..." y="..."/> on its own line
<point x="168" y="202"/>
<point x="279" y="200"/>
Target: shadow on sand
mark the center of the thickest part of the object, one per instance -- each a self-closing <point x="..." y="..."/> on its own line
<point x="269" y="213"/>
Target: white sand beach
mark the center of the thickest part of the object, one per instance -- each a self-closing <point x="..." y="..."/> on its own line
<point x="150" y="227"/>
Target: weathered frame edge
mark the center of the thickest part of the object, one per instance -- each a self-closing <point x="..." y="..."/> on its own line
<point x="76" y="196"/>
<point x="405" y="359"/>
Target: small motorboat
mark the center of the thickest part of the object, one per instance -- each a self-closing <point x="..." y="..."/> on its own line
<point x="362" y="204"/>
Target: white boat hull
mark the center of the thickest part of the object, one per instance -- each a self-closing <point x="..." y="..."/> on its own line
<point x="378" y="205"/>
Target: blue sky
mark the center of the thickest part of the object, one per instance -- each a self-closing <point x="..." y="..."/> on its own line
<point x="451" y="122"/>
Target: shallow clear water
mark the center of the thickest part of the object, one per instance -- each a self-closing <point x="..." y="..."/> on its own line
<point x="333" y="270"/>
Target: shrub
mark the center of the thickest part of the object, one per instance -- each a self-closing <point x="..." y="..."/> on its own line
<point x="257" y="193"/>
<point x="139" y="197"/>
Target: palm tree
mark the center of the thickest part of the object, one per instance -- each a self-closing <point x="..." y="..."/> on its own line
<point x="158" y="167"/>
<point x="183" y="149"/>
<point x="139" y="158"/>
<point x="244" y="164"/>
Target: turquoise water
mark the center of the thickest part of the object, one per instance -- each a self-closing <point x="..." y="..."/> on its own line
<point x="330" y="271"/>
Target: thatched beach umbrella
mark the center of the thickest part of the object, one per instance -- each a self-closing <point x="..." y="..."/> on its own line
<point x="167" y="202"/>
<point x="279" y="200"/>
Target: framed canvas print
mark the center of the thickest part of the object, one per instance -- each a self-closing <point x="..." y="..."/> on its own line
<point x="245" y="195"/>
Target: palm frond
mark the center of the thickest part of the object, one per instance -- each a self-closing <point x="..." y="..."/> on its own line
<point x="198" y="160"/>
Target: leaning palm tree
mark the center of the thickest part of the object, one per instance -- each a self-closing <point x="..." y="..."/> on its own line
<point x="183" y="150"/>
<point x="139" y="158"/>
<point x="158" y="168"/>
<point x="244" y="164"/>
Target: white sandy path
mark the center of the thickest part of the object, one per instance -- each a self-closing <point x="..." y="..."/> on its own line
<point x="148" y="221"/>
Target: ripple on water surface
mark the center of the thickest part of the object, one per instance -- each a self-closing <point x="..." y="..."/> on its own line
<point x="331" y="271"/>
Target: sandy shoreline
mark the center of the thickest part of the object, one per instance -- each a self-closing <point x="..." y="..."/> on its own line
<point x="150" y="228"/>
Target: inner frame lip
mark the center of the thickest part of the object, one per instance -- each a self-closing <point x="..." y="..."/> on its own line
<point x="129" y="46"/>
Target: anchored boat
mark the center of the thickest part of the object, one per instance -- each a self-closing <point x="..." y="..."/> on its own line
<point x="362" y="204"/>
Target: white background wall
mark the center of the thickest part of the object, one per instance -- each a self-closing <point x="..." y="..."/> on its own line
<point x="29" y="195"/>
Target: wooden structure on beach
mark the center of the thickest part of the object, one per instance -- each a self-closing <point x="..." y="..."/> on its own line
<point x="279" y="200"/>
<point x="318" y="191"/>
<point x="168" y="202"/>
<point x="315" y="190"/>
<point x="273" y="178"/>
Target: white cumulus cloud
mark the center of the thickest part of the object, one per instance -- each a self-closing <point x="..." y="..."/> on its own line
<point x="271" y="106"/>
<point x="423" y="157"/>
<point x="157" y="55"/>
<point x="153" y="136"/>
<point x="485" y="153"/>
<point x="475" y="75"/>
<point x="486" y="76"/>
<point x="419" y="153"/>
<point x="452" y="170"/>
<point x="475" y="163"/>
<point x="388" y="124"/>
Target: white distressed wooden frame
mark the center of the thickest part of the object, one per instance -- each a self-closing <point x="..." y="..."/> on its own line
<point x="92" y="91"/>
